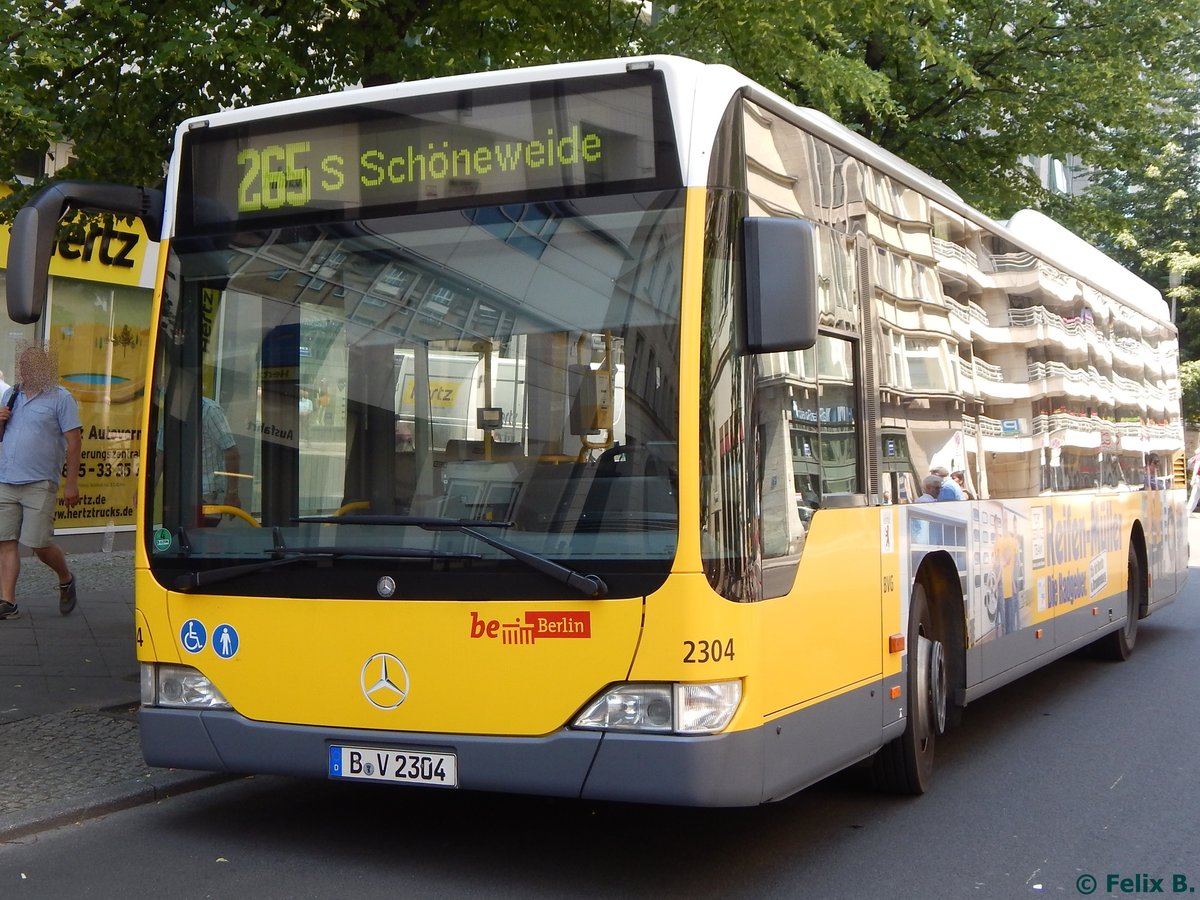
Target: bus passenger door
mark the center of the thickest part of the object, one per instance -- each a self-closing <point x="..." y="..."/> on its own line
<point x="830" y="625"/>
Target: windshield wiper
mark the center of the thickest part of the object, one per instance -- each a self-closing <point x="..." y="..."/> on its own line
<point x="588" y="585"/>
<point x="284" y="556"/>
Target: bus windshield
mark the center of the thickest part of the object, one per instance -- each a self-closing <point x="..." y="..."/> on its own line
<point x="510" y="368"/>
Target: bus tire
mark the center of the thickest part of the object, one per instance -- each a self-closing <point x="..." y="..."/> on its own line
<point x="905" y="765"/>
<point x="1118" y="645"/>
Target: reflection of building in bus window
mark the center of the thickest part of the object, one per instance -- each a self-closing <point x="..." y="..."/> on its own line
<point x="221" y="461"/>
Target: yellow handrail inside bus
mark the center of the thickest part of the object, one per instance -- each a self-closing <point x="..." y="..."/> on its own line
<point x="221" y="509"/>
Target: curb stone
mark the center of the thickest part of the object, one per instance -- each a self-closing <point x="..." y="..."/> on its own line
<point x="150" y="788"/>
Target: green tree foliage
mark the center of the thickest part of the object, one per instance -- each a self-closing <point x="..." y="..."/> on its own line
<point x="964" y="88"/>
<point x="1149" y="218"/>
<point x="396" y="40"/>
<point x="115" y="76"/>
<point x="961" y="88"/>
<point x="1189" y="383"/>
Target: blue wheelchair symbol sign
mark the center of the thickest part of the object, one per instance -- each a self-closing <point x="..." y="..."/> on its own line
<point x="225" y="641"/>
<point x="193" y="635"/>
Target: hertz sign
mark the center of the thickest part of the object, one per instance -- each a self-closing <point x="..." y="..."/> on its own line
<point x="89" y="248"/>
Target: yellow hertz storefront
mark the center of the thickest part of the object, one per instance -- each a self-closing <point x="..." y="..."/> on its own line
<point x="97" y="322"/>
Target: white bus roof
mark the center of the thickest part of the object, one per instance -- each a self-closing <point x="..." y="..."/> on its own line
<point x="700" y="94"/>
<point x="1076" y="254"/>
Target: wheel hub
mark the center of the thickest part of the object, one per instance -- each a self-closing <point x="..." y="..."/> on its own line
<point x="931" y="685"/>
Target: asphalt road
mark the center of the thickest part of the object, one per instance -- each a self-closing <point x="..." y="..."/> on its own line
<point x="1082" y="770"/>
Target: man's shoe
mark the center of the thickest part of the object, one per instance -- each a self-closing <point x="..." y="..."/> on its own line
<point x="9" y="610"/>
<point x="66" y="597"/>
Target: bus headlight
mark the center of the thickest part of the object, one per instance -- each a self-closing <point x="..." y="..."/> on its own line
<point x="181" y="687"/>
<point x="663" y="708"/>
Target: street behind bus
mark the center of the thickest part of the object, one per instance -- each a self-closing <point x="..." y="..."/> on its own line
<point x="1083" y="770"/>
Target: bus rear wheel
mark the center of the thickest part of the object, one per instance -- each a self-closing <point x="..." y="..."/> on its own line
<point x="1118" y="645"/>
<point x="905" y="765"/>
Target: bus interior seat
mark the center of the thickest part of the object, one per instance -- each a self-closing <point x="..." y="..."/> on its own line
<point x="632" y="484"/>
<point x="552" y="490"/>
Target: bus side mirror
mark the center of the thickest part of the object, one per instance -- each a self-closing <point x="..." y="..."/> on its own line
<point x="33" y="234"/>
<point x="35" y="230"/>
<point x="780" y="284"/>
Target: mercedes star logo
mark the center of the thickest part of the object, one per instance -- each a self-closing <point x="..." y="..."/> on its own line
<point x="384" y="681"/>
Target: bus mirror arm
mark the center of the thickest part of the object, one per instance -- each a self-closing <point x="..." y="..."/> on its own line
<point x="35" y="230"/>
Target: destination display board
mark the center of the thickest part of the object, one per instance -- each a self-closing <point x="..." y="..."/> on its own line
<point x="580" y="137"/>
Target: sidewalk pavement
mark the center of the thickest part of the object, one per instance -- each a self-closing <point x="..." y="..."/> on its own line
<point x="69" y="689"/>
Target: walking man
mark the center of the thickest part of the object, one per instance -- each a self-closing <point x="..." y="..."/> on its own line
<point x="40" y="431"/>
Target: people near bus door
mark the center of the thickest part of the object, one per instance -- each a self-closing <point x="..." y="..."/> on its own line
<point x="41" y="432"/>
<point x="305" y="405"/>
<point x="1005" y="556"/>
<point x="324" y="413"/>
<point x="404" y="436"/>
<point x="1154" y="475"/>
<point x="949" y="489"/>
<point x="930" y="487"/>
<point x="221" y="462"/>
<point x="961" y="481"/>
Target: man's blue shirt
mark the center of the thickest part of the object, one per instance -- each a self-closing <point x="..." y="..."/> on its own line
<point x="950" y="490"/>
<point x="35" y="442"/>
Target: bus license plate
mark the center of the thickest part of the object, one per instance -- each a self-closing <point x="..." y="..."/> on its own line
<point x="395" y="766"/>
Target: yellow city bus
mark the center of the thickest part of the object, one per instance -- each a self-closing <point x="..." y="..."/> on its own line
<point x="569" y="431"/>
